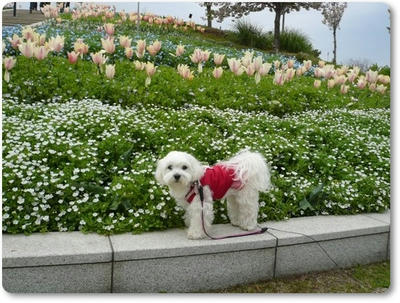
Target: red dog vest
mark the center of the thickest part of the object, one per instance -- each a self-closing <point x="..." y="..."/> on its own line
<point x="219" y="178"/>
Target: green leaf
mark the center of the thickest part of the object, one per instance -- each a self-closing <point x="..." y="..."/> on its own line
<point x="315" y="192"/>
<point x="125" y="157"/>
<point x="304" y="205"/>
<point x="115" y="204"/>
<point x="126" y="203"/>
<point x="93" y="188"/>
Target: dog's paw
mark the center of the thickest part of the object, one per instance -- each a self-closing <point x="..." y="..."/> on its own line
<point x="248" y="227"/>
<point x="195" y="235"/>
<point x="234" y="223"/>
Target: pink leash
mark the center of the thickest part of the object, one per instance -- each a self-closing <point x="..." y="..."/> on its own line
<point x="201" y="194"/>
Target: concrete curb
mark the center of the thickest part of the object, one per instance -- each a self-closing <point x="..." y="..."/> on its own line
<point x="168" y="262"/>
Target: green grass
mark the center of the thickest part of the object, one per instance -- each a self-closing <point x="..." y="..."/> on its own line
<point x="372" y="278"/>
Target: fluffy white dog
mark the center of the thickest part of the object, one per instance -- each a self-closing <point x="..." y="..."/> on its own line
<point x="239" y="180"/>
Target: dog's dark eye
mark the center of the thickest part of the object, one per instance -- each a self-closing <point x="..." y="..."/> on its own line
<point x="184" y="167"/>
<point x="169" y="167"/>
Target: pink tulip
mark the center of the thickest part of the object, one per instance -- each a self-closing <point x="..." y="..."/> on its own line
<point x="180" y="49"/>
<point x="331" y="83"/>
<point x="329" y="71"/>
<point x="40" y="39"/>
<point x="383" y="79"/>
<point x="133" y="17"/>
<point x="351" y="76"/>
<point x="299" y="71"/>
<point x="72" y="57"/>
<point x="129" y="52"/>
<point x="154" y="48"/>
<point x="340" y="79"/>
<point x="197" y="56"/>
<point x="26" y="49"/>
<point x="218" y="59"/>
<point x="40" y="52"/>
<point x="205" y="55"/>
<point x="342" y="70"/>
<point x="371" y="76"/>
<point x="321" y="63"/>
<point x="110" y="71"/>
<point x="290" y="63"/>
<point x="277" y="63"/>
<point x="15" y="41"/>
<point x="108" y="45"/>
<point x="279" y="78"/>
<point x="185" y="72"/>
<point x="109" y="28"/>
<point x="356" y="70"/>
<point x="258" y="61"/>
<point x="235" y="66"/>
<point x="9" y="62"/>
<point x="247" y="58"/>
<point x="381" y="88"/>
<point x="372" y="87"/>
<point x="56" y="43"/>
<point x="98" y="58"/>
<point x="80" y="47"/>
<point x="140" y="48"/>
<point x="317" y="83"/>
<point x="150" y="69"/>
<point x="250" y="69"/>
<point x="318" y="72"/>
<point x="125" y="41"/>
<point x="264" y="69"/>
<point x="344" y="89"/>
<point x="156" y="45"/>
<point x="217" y="72"/>
<point x="307" y="64"/>
<point x="139" y="65"/>
<point x="361" y="83"/>
<point x="151" y="50"/>
<point x="28" y="33"/>
<point x="289" y="74"/>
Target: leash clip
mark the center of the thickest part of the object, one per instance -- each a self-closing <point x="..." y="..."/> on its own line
<point x="200" y="190"/>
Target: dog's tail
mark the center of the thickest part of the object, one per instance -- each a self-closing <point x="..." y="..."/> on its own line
<point x="251" y="169"/>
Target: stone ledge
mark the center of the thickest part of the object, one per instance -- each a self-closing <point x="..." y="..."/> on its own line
<point x="55" y="249"/>
<point x="121" y="262"/>
<point x="323" y="228"/>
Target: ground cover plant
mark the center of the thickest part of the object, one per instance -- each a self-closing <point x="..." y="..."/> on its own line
<point x="83" y="128"/>
<point x="88" y="165"/>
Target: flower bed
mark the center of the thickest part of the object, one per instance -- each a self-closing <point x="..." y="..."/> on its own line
<point x="84" y="122"/>
<point x="88" y="165"/>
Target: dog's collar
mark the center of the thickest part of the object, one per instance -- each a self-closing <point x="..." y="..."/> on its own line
<point x="195" y="188"/>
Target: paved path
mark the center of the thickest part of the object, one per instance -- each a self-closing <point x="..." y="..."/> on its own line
<point x="22" y="17"/>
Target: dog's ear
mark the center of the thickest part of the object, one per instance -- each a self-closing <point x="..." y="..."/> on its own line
<point x="197" y="168"/>
<point x="159" y="174"/>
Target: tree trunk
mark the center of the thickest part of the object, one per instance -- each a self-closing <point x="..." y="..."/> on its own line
<point x="209" y="15"/>
<point x="278" y="13"/>
<point x="334" y="45"/>
<point x="283" y="22"/>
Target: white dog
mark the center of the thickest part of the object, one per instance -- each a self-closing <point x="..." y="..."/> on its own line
<point x="239" y="180"/>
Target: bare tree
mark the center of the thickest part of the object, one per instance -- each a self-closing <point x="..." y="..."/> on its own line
<point x="240" y="9"/>
<point x="332" y="13"/>
<point x="209" y="12"/>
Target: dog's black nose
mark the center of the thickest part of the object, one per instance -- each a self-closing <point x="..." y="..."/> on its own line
<point x="176" y="176"/>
